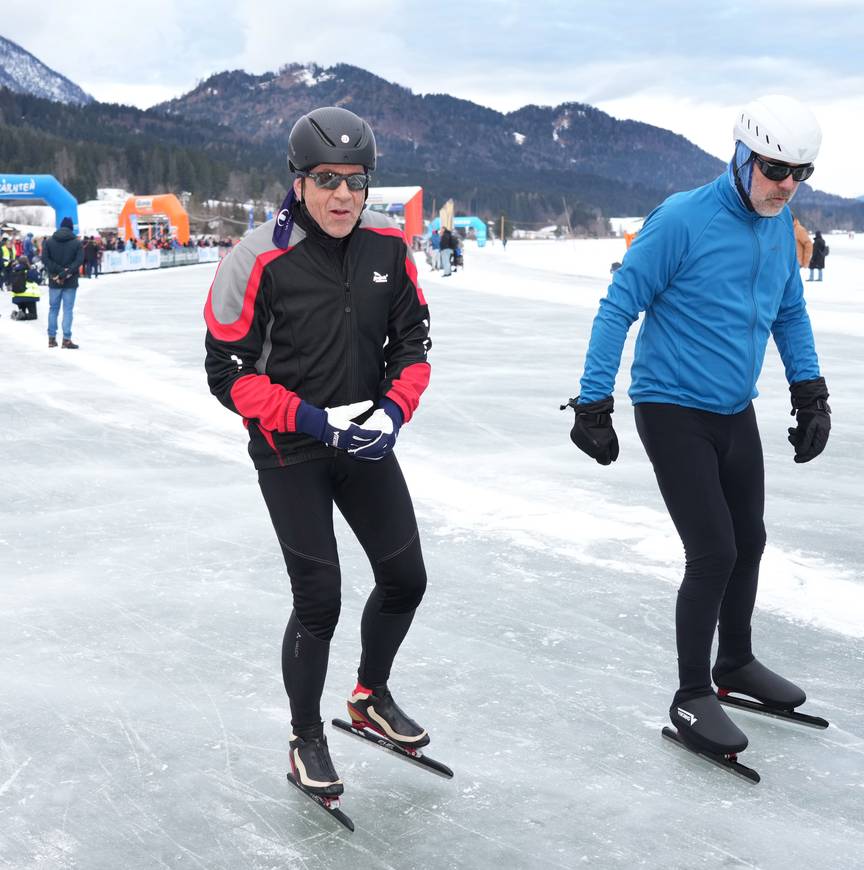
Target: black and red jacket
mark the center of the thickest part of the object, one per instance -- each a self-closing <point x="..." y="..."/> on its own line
<point x="330" y="321"/>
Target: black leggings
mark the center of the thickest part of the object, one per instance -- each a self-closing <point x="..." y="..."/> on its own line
<point x="709" y="468"/>
<point x="373" y="498"/>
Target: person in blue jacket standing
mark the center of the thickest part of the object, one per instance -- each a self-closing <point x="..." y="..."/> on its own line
<point x="715" y="271"/>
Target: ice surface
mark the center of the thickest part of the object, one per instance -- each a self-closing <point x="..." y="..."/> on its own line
<point x="143" y="597"/>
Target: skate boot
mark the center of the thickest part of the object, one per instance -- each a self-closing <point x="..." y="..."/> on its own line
<point x="757" y="681"/>
<point x="52" y="342"/>
<point x="313" y="768"/>
<point x="375" y="709"/>
<point x="703" y="725"/>
<point x="68" y="343"/>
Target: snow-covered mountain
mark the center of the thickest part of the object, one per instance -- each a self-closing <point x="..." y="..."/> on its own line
<point x="22" y="72"/>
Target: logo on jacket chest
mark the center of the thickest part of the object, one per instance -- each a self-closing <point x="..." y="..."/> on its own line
<point x="378" y="278"/>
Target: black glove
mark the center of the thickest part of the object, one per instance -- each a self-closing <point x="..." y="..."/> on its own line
<point x="592" y="432"/>
<point x="810" y="401"/>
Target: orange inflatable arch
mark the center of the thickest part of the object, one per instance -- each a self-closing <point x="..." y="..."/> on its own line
<point x="162" y="204"/>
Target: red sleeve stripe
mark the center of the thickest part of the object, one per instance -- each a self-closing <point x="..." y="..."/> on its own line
<point x="258" y="398"/>
<point x="408" y="387"/>
<point x="410" y="267"/>
<point x="240" y="327"/>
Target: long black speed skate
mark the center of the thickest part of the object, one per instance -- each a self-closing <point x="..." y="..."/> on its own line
<point x="768" y="693"/>
<point x="703" y="728"/>
<point x="376" y="718"/>
<point x="312" y="772"/>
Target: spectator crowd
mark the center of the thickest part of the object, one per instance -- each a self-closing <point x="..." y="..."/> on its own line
<point x="23" y="261"/>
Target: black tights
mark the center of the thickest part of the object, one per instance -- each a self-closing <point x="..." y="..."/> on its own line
<point x="709" y="468"/>
<point x="373" y="498"/>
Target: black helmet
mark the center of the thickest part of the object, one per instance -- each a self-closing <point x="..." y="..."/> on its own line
<point x="330" y="135"/>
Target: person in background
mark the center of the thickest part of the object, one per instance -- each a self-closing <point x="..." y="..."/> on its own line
<point x="435" y="245"/>
<point x="7" y="258"/>
<point x="716" y="273"/>
<point x="62" y="256"/>
<point x="446" y="252"/>
<point x="817" y="259"/>
<point x="29" y="248"/>
<point x="456" y="243"/>
<point x="803" y="243"/>
<point x="24" y="284"/>
<point x="90" y="257"/>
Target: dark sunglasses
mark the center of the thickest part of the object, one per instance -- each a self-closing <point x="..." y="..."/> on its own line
<point x="777" y="171"/>
<point x="332" y="180"/>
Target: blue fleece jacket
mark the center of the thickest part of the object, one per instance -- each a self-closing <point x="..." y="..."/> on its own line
<point x="714" y="279"/>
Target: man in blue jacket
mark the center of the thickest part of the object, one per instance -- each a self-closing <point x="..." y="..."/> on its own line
<point x="715" y="271"/>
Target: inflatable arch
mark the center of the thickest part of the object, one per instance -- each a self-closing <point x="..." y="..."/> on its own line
<point x="28" y="188"/>
<point x="461" y="223"/>
<point x="162" y="204"/>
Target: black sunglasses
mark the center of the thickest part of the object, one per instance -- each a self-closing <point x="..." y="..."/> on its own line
<point x="332" y="180"/>
<point x="778" y="171"/>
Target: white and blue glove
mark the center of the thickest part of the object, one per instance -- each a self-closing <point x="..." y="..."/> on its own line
<point x="336" y="426"/>
<point x="387" y="420"/>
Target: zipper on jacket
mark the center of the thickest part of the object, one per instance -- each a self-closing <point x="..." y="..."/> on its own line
<point x="755" y="313"/>
<point x="350" y="364"/>
<point x="352" y="369"/>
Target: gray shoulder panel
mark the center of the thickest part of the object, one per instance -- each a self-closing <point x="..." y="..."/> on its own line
<point x="239" y="273"/>
<point x="377" y="219"/>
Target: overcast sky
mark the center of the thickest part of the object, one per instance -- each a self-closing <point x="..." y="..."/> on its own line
<point x="685" y="66"/>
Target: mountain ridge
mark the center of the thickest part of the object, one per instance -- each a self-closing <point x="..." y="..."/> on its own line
<point x="572" y="159"/>
<point x="226" y="138"/>
<point x="23" y="72"/>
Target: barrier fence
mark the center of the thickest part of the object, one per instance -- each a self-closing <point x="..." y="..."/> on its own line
<point x="127" y="261"/>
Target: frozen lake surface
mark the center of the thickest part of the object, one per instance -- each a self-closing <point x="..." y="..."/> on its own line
<point x="143" y="597"/>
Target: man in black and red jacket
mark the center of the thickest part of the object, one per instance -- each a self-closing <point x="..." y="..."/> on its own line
<point x="317" y="335"/>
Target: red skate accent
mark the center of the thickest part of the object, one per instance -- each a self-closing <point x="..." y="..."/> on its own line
<point x="359" y="722"/>
<point x="722" y="693"/>
<point x="362" y="689"/>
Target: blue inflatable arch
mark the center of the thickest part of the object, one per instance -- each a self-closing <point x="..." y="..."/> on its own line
<point x="47" y="188"/>
<point x="461" y="223"/>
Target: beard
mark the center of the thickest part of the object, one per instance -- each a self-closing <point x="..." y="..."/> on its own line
<point x="771" y="206"/>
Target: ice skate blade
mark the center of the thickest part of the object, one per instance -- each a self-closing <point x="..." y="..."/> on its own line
<point x="329" y="805"/>
<point x="773" y="712"/>
<point x="729" y="763"/>
<point x="415" y="756"/>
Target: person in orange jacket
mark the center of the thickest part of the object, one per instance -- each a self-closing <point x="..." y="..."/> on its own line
<point x="803" y="243"/>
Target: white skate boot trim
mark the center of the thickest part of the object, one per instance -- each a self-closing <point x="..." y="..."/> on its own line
<point x="687" y="716"/>
<point x="305" y="779"/>
<point x="360" y="696"/>
<point x="402" y="738"/>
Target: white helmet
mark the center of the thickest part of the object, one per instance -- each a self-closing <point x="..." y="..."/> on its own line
<point x="779" y="127"/>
